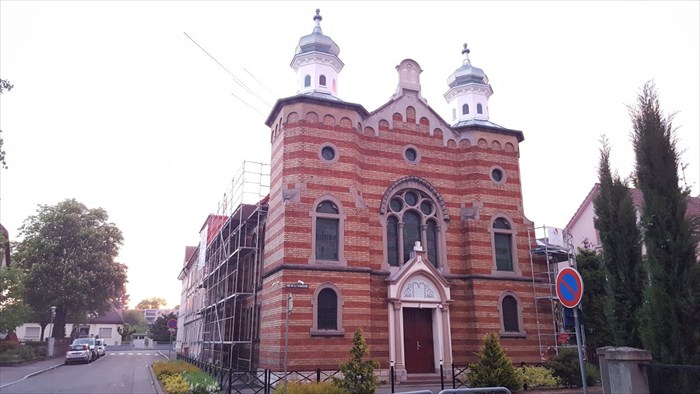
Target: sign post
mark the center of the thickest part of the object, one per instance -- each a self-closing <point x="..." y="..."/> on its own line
<point x="172" y="325"/>
<point x="569" y="286"/>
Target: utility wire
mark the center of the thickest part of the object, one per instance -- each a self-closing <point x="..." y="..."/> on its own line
<point x="235" y="79"/>
<point x="275" y="95"/>
<point x="251" y="107"/>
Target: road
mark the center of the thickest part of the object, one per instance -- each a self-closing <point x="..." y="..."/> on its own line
<point x="119" y="371"/>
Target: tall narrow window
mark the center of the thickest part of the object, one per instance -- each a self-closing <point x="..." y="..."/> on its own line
<point x="465" y="109"/>
<point x="307" y="81"/>
<point x="327" y="315"/>
<point x="322" y="80"/>
<point x="503" y="244"/>
<point x="509" y="309"/>
<point x="411" y="233"/>
<point x="392" y="235"/>
<point x="327" y="232"/>
<point x="431" y="234"/>
<point x="479" y="109"/>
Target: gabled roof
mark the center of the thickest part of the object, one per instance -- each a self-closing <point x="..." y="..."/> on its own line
<point x="112" y="317"/>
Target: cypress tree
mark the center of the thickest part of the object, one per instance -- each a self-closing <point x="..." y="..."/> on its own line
<point x="616" y="222"/>
<point x="671" y="314"/>
<point x="594" y="300"/>
<point x="493" y="368"/>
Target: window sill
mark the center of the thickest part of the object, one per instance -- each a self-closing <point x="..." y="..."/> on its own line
<point x="522" y="334"/>
<point x="327" y="333"/>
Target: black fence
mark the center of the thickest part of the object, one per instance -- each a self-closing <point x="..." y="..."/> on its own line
<point x="672" y="379"/>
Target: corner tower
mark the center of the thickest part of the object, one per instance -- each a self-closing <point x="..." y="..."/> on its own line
<point x="316" y="62"/>
<point x="469" y="93"/>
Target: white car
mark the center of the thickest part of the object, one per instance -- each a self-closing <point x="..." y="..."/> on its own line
<point x="78" y="353"/>
<point x="101" y="347"/>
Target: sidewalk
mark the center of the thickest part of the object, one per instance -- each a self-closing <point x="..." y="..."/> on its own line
<point x="12" y="374"/>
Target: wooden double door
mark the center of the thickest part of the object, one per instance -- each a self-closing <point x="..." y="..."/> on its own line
<point x="418" y="340"/>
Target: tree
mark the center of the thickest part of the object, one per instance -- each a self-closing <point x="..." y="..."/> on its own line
<point x="358" y="374"/>
<point x="4" y="85"/>
<point x="616" y="222"/>
<point x="13" y="312"/>
<point x="594" y="299"/>
<point x="122" y="301"/>
<point x="151" y="303"/>
<point x="136" y="320"/>
<point x="493" y="367"/>
<point x="126" y="331"/>
<point x="671" y="313"/>
<point x="68" y="254"/>
<point x="159" y="329"/>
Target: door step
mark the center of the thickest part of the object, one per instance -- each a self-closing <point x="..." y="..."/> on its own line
<point x="427" y="378"/>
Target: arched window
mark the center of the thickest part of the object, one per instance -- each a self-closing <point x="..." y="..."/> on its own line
<point x="465" y="109"/>
<point x="503" y="245"/>
<point x="322" y="80"/>
<point x="412" y="218"/>
<point x="327" y="231"/>
<point x="479" y="109"/>
<point x="307" y="81"/>
<point x="511" y="316"/>
<point x="327" y="315"/>
<point x="327" y="311"/>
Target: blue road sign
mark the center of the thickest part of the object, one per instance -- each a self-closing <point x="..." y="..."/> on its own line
<point x="569" y="287"/>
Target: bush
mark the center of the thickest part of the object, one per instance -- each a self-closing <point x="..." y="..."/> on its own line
<point x="175" y="384"/>
<point x="494" y="368"/>
<point x="172" y="367"/>
<point x="358" y="374"/>
<point x="566" y="368"/>
<point x="310" y="388"/>
<point x="201" y="383"/>
<point x="537" y="377"/>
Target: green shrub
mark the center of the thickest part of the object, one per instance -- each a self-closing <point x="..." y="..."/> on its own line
<point x="8" y="346"/>
<point x="494" y="368"/>
<point x="175" y="384"/>
<point x="171" y="367"/>
<point x="10" y="356"/>
<point x="358" y="374"/>
<point x="537" y="377"/>
<point x="566" y="368"/>
<point x="27" y="353"/>
<point x="310" y="388"/>
<point x="201" y="383"/>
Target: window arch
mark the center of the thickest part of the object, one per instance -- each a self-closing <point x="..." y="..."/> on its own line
<point x="328" y="316"/>
<point x="322" y="80"/>
<point x="327" y="231"/>
<point x="465" y="109"/>
<point x="479" y="109"/>
<point x="307" y="81"/>
<point x="510" y="311"/>
<point x="412" y="217"/>
<point x="504" y="254"/>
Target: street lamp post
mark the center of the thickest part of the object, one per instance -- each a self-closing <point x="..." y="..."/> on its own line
<point x="290" y="307"/>
<point x="51" y="338"/>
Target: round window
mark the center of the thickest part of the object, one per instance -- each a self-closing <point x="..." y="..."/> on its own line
<point x="497" y="175"/>
<point x="411" y="198"/>
<point x="411" y="154"/>
<point x="396" y="205"/>
<point x="426" y="207"/>
<point x="328" y="153"/>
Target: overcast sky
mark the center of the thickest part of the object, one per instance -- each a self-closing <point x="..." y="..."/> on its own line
<point x="115" y="106"/>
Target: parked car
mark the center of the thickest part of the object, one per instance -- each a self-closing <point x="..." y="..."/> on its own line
<point x="78" y="353"/>
<point x="101" y="347"/>
<point x="90" y="342"/>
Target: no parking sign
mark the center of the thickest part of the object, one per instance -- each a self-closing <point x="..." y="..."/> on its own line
<point x="569" y="287"/>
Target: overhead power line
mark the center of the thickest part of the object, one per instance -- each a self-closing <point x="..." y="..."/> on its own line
<point x="236" y="79"/>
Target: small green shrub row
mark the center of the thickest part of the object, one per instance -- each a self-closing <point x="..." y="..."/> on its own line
<point x="310" y="388"/>
<point x="180" y="377"/>
<point x="24" y="352"/>
<point x="533" y="377"/>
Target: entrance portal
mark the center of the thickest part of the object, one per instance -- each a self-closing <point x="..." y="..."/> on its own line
<point x="418" y="340"/>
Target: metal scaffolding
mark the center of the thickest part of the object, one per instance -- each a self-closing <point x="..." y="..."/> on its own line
<point x="548" y="310"/>
<point x="232" y="271"/>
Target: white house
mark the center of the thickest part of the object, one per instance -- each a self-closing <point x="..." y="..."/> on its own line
<point x="104" y="326"/>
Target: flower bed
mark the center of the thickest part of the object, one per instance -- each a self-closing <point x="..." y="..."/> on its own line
<point x="179" y="377"/>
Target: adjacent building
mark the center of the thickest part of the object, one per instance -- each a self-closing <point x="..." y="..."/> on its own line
<point x="394" y="220"/>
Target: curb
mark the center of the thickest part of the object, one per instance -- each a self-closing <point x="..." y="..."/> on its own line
<point x="29" y="375"/>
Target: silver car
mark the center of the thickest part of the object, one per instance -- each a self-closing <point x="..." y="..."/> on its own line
<point x="78" y="353"/>
<point x="101" y="347"/>
<point x="91" y="346"/>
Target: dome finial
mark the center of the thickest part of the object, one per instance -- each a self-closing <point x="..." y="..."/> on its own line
<point x="317" y="19"/>
<point x="465" y="52"/>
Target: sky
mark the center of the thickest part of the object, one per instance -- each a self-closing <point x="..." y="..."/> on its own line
<point x="121" y="105"/>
